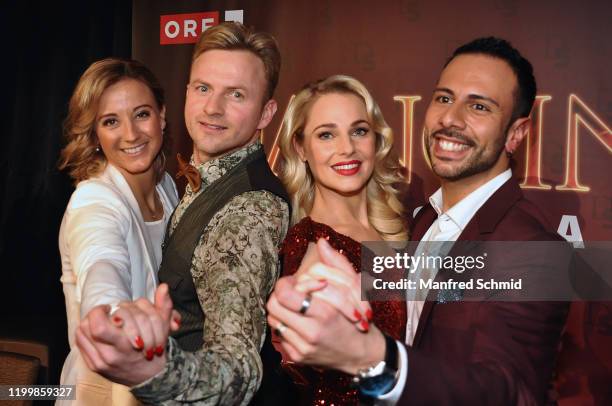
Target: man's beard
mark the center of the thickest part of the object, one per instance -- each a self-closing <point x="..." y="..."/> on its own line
<point x="479" y="161"/>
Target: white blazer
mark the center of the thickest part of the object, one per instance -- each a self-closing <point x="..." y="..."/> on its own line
<point x="103" y="237"/>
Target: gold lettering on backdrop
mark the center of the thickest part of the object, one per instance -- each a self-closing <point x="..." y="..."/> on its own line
<point x="579" y="113"/>
<point x="274" y="150"/>
<point x="424" y="148"/>
<point x="407" y="130"/>
<point x="533" y="145"/>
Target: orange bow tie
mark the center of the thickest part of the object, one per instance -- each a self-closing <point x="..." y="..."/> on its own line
<point x="189" y="172"/>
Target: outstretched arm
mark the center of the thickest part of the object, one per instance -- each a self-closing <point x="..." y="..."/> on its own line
<point x="234" y="268"/>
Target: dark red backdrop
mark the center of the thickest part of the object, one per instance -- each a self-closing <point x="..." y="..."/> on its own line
<point x="397" y="49"/>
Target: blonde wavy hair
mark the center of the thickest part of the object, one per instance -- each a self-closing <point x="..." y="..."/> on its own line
<point x="384" y="208"/>
<point x="81" y="156"/>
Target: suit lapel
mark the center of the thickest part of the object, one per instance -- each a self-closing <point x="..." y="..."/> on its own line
<point x="484" y="222"/>
<point x="492" y="212"/>
<point x="423" y="220"/>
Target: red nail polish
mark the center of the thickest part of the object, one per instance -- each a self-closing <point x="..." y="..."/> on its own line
<point x="149" y="354"/>
<point x="357" y="315"/>
<point x="117" y="320"/>
<point x="159" y="350"/>
<point x="177" y="321"/>
<point x="365" y="325"/>
<point x="139" y="343"/>
<point x="369" y="314"/>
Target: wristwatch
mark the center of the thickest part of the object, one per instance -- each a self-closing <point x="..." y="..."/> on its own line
<point x="379" y="379"/>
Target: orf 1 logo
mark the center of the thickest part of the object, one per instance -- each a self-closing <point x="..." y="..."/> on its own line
<point x="186" y="28"/>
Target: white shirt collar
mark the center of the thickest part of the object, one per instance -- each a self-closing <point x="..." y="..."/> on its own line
<point x="463" y="211"/>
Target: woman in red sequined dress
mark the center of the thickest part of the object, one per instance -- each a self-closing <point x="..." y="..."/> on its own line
<point x="341" y="174"/>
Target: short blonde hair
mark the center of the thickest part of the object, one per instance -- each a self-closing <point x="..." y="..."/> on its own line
<point x="81" y="155"/>
<point x="231" y="36"/>
<point x="384" y="208"/>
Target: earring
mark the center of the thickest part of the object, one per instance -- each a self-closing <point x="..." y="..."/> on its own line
<point x="97" y="148"/>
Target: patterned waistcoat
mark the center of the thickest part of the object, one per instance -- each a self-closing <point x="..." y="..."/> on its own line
<point x="252" y="173"/>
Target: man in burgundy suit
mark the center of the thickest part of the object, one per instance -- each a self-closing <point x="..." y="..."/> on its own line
<point x="459" y="352"/>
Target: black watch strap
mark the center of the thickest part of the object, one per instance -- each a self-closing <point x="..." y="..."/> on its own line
<point x="391" y="356"/>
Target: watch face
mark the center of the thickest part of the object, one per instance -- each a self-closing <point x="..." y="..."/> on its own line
<point x="377" y="385"/>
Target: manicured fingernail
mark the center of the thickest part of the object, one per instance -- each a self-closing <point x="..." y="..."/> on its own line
<point x="159" y="350"/>
<point x="369" y="314"/>
<point x="139" y="343"/>
<point x="365" y="325"/>
<point x="357" y="315"/>
<point x="149" y="354"/>
<point x="177" y="321"/>
<point x="117" y="320"/>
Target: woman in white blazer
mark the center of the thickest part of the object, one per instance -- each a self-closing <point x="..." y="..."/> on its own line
<point x="111" y="234"/>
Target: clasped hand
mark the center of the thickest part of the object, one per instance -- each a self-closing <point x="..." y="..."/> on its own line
<point x="335" y="330"/>
<point x="128" y="346"/>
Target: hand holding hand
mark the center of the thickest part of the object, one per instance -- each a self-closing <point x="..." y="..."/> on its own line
<point x="343" y="289"/>
<point x="325" y="334"/>
<point x="113" y="345"/>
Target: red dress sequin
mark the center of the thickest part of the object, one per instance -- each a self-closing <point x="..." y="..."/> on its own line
<point x="329" y="387"/>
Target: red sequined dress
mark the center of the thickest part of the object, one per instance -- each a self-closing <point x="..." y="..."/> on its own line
<point x="329" y="387"/>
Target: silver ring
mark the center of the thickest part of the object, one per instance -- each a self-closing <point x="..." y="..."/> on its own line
<point x="280" y="329"/>
<point x="305" y="304"/>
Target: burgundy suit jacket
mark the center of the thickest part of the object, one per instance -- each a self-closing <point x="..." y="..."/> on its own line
<point x="486" y="352"/>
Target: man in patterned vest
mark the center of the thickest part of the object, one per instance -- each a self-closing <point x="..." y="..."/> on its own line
<point x="220" y="255"/>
